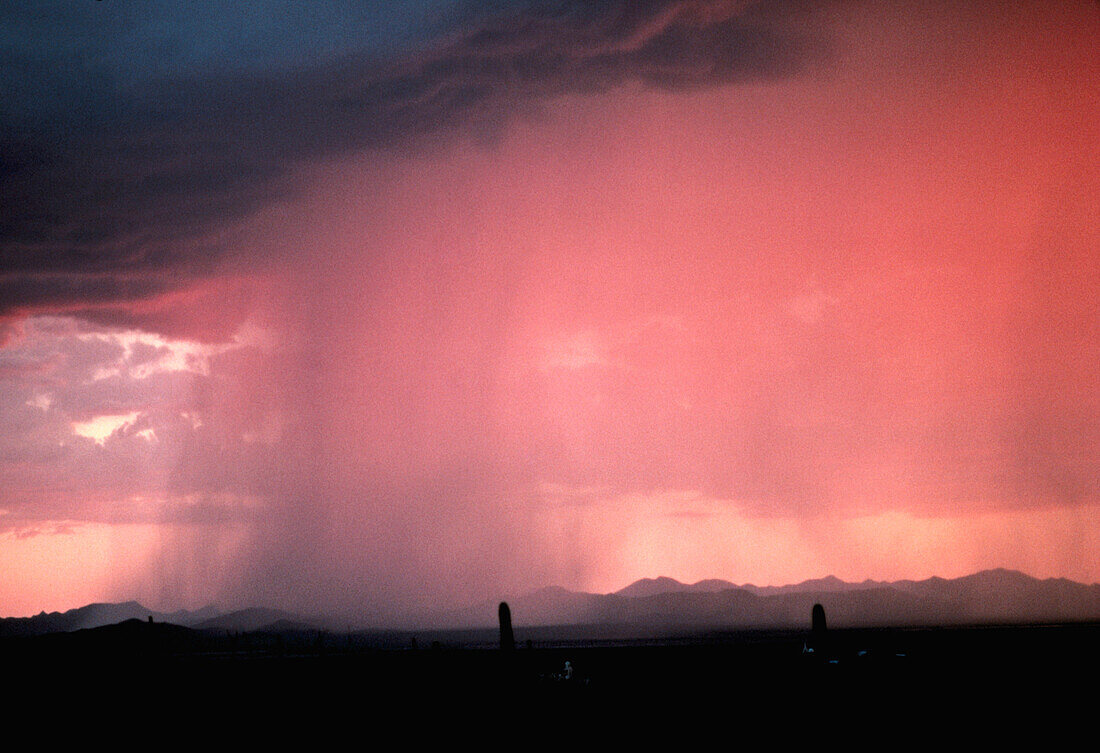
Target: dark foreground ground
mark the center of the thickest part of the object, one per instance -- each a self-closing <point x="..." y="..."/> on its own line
<point x="139" y="684"/>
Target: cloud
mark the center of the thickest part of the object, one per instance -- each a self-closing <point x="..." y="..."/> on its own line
<point x="96" y="423"/>
<point x="118" y="190"/>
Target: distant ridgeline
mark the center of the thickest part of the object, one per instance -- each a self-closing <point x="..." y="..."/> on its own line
<point x="98" y="615"/>
<point x="991" y="596"/>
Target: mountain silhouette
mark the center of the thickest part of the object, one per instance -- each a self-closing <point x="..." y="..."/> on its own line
<point x="97" y="615"/>
<point x="990" y="596"/>
<point x="653" y="586"/>
<point x="249" y="620"/>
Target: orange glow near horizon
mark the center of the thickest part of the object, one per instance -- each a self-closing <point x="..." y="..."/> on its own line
<point x="57" y="570"/>
<point x="695" y="539"/>
<point x="681" y="535"/>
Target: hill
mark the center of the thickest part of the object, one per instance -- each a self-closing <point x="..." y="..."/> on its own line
<point x="97" y="615"/>
<point x="248" y="620"/>
<point x="991" y="596"/>
<point x="660" y="605"/>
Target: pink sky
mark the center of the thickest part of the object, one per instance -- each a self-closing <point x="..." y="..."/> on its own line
<point x="841" y="319"/>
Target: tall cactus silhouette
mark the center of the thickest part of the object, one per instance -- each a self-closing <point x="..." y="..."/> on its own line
<point x="817" y="620"/>
<point x="507" y="640"/>
<point x="818" y="633"/>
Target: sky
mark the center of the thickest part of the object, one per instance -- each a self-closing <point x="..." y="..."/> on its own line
<point x="371" y="309"/>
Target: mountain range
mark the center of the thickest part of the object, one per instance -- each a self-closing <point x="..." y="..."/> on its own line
<point x="989" y="596"/>
<point x="664" y="604"/>
<point x="99" y="615"/>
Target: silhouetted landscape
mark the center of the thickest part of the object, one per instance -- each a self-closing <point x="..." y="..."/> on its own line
<point x="992" y="596"/>
<point x="995" y="640"/>
<point x="663" y="606"/>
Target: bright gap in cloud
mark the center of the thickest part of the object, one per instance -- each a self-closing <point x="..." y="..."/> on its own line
<point x="100" y="428"/>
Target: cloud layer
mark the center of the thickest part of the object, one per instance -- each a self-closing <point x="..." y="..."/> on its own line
<point x="118" y="184"/>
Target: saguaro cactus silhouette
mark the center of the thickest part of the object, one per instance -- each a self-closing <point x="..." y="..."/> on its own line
<point x="818" y="633"/>
<point x="817" y="620"/>
<point x="507" y="640"/>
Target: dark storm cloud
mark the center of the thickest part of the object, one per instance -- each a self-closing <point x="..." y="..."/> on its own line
<point x="109" y="175"/>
